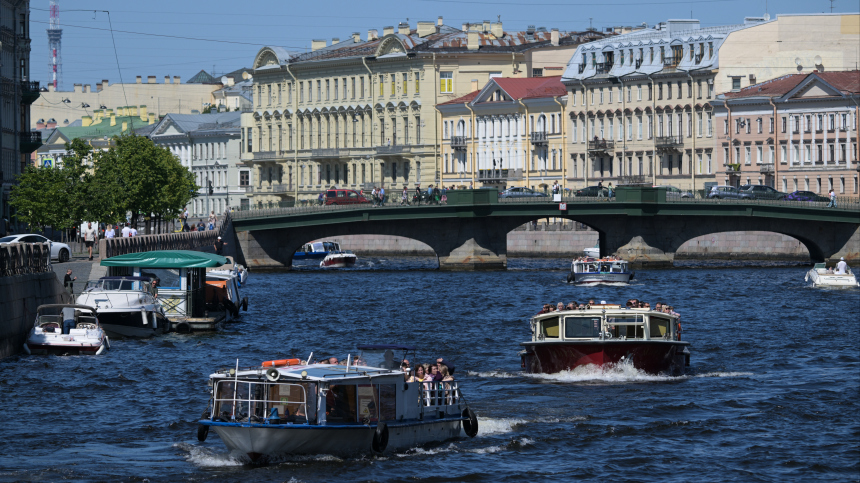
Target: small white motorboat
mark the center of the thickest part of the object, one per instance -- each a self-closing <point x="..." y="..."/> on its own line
<point x="233" y="267"/>
<point x="599" y="270"/>
<point x="66" y="329"/>
<point x="292" y="407"/>
<point x="593" y="252"/>
<point x="821" y="276"/>
<point x="338" y="260"/>
<point x="127" y="306"/>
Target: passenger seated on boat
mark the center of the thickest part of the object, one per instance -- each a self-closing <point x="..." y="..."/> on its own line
<point x="559" y="307"/>
<point x="572" y="306"/>
<point x="332" y="360"/>
<point x="388" y="363"/>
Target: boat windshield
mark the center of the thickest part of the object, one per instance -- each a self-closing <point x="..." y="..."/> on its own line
<point x="384" y="356"/>
<point x="578" y="327"/>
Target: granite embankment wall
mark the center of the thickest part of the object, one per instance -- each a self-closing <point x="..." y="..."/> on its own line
<point x="20" y="295"/>
<point x="568" y="243"/>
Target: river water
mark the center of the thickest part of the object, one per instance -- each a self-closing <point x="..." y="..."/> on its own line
<point x="772" y="394"/>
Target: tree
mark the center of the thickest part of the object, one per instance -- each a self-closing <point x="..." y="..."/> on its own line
<point x="138" y="176"/>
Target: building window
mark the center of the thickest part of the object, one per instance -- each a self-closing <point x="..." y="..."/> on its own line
<point x="393" y="84"/>
<point x="405" y="84"/>
<point x="446" y="82"/>
<point x="244" y="178"/>
<point x="335" y="88"/>
<point x="381" y="85"/>
<point x="319" y="90"/>
<point x="537" y="72"/>
<point x="361" y="92"/>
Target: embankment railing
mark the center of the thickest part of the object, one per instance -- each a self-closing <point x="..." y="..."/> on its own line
<point x="23" y="258"/>
<point x="111" y="247"/>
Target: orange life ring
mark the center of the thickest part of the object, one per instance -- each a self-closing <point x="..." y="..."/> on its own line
<point x="282" y="362"/>
<point x="679" y="330"/>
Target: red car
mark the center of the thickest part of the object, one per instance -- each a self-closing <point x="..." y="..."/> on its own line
<point x="344" y="197"/>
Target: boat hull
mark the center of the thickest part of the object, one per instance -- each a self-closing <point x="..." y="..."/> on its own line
<point x="259" y="442"/>
<point x="129" y="324"/>
<point x="831" y="280"/>
<point x="338" y="261"/>
<point x="64" y="350"/>
<point x="651" y="356"/>
<point x="584" y="278"/>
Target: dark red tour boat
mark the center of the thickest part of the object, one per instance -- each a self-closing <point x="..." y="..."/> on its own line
<point x="606" y="333"/>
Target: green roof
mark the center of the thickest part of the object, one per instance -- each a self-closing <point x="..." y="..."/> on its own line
<point x="103" y="128"/>
<point x="166" y="259"/>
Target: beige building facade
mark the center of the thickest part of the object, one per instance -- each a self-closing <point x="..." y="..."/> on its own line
<point x="358" y="113"/>
<point x="169" y="96"/>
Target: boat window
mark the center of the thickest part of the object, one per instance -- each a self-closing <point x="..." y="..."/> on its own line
<point x="388" y="402"/>
<point x="549" y="328"/>
<point x="581" y="327"/>
<point x="289" y="400"/>
<point x="627" y="326"/>
<point x="340" y="404"/>
<point x="254" y="401"/>
<point x="368" y="406"/>
<point x="659" y="327"/>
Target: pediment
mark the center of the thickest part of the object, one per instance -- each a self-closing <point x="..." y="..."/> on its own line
<point x="390" y="45"/>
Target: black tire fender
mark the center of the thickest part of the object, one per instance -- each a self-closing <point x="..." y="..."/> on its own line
<point x="470" y="424"/>
<point x="183" y="328"/>
<point x="245" y="304"/>
<point x="202" y="429"/>
<point x="380" y="438"/>
<point x="231" y="307"/>
<point x="569" y="277"/>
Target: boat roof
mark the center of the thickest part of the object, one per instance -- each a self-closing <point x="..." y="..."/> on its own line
<point x="124" y="277"/>
<point x="166" y="259"/>
<point x="63" y="306"/>
<point x="592" y="259"/>
<point x="322" y="372"/>
<point x="598" y="309"/>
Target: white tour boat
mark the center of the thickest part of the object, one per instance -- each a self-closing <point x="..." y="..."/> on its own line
<point x="127" y="306"/>
<point x="63" y="329"/>
<point x="822" y="277"/>
<point x="338" y="260"/>
<point x="288" y="407"/>
<point x="599" y="270"/>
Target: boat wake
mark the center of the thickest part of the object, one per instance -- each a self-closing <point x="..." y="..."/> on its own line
<point x="613" y="373"/>
<point x="724" y="374"/>
<point x="204" y="457"/>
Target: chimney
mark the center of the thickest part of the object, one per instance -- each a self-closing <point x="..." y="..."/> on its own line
<point x="86" y="88"/>
<point x="52" y="123"/>
<point x="497" y="30"/>
<point x="86" y="121"/>
<point x="372" y="34"/>
<point x="167" y="79"/>
<point x="112" y="119"/>
<point x="176" y="79"/>
<point x="439" y="21"/>
<point x="426" y="28"/>
<point x="143" y="115"/>
<point x="124" y="126"/>
<point x="553" y="36"/>
<point x="78" y="88"/>
<point x="317" y="44"/>
<point x="403" y="28"/>
<point x="474" y="85"/>
<point x="132" y="111"/>
<point x="486" y="26"/>
<point x="150" y="79"/>
<point x="465" y="26"/>
<point x="40" y="124"/>
<point x="387" y="30"/>
<point x="474" y="40"/>
<point x="152" y="118"/>
<point x="104" y="85"/>
<point x="356" y="37"/>
<point x="335" y="40"/>
<point x="139" y="80"/>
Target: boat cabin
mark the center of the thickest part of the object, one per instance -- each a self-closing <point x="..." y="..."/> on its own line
<point x="181" y="275"/>
<point x="604" y="322"/>
<point x="599" y="265"/>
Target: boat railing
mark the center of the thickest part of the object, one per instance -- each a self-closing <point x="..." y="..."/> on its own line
<point x="439" y="394"/>
<point x="245" y="401"/>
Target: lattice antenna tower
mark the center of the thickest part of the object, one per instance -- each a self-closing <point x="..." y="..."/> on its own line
<point x="55" y="45"/>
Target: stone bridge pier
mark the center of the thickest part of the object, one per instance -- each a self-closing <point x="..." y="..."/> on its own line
<point x="460" y="243"/>
<point x="652" y="241"/>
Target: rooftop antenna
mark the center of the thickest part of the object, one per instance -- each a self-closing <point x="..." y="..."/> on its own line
<point x="589" y="23"/>
<point x="831" y="5"/>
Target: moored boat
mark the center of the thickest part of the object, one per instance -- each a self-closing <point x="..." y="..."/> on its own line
<point x="606" y="334"/>
<point x="127" y="306"/>
<point x="338" y="260"/>
<point x="222" y="293"/>
<point x="593" y="252"/>
<point x="588" y="270"/>
<point x="66" y="329"/>
<point x="316" y="250"/>
<point x="821" y="276"/>
<point x="290" y="407"/>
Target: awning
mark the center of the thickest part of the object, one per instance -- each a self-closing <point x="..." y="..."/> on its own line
<point x="166" y="259"/>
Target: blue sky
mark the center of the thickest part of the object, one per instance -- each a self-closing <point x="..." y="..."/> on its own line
<point x="188" y="35"/>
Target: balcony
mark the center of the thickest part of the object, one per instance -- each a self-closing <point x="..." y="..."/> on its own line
<point x="603" y="67"/>
<point x="538" y="137"/>
<point x="733" y="169"/>
<point x="766" y="168"/>
<point x="668" y="143"/>
<point x="393" y="150"/>
<point x="268" y="155"/>
<point x="600" y="145"/>
<point x="499" y="175"/>
<point x="30" y="141"/>
<point x="29" y="91"/>
<point x="458" y="143"/>
<point x="325" y="153"/>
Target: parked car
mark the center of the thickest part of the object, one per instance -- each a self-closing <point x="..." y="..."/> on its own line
<point x="673" y="193"/>
<point x="762" y="192"/>
<point x="520" y="192"/>
<point x="591" y="191"/>
<point x="728" y="193"/>
<point x="805" y="196"/>
<point x="59" y="251"/>
<point x="344" y="197"/>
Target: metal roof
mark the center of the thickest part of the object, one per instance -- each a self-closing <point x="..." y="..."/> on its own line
<point x="166" y="259"/>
